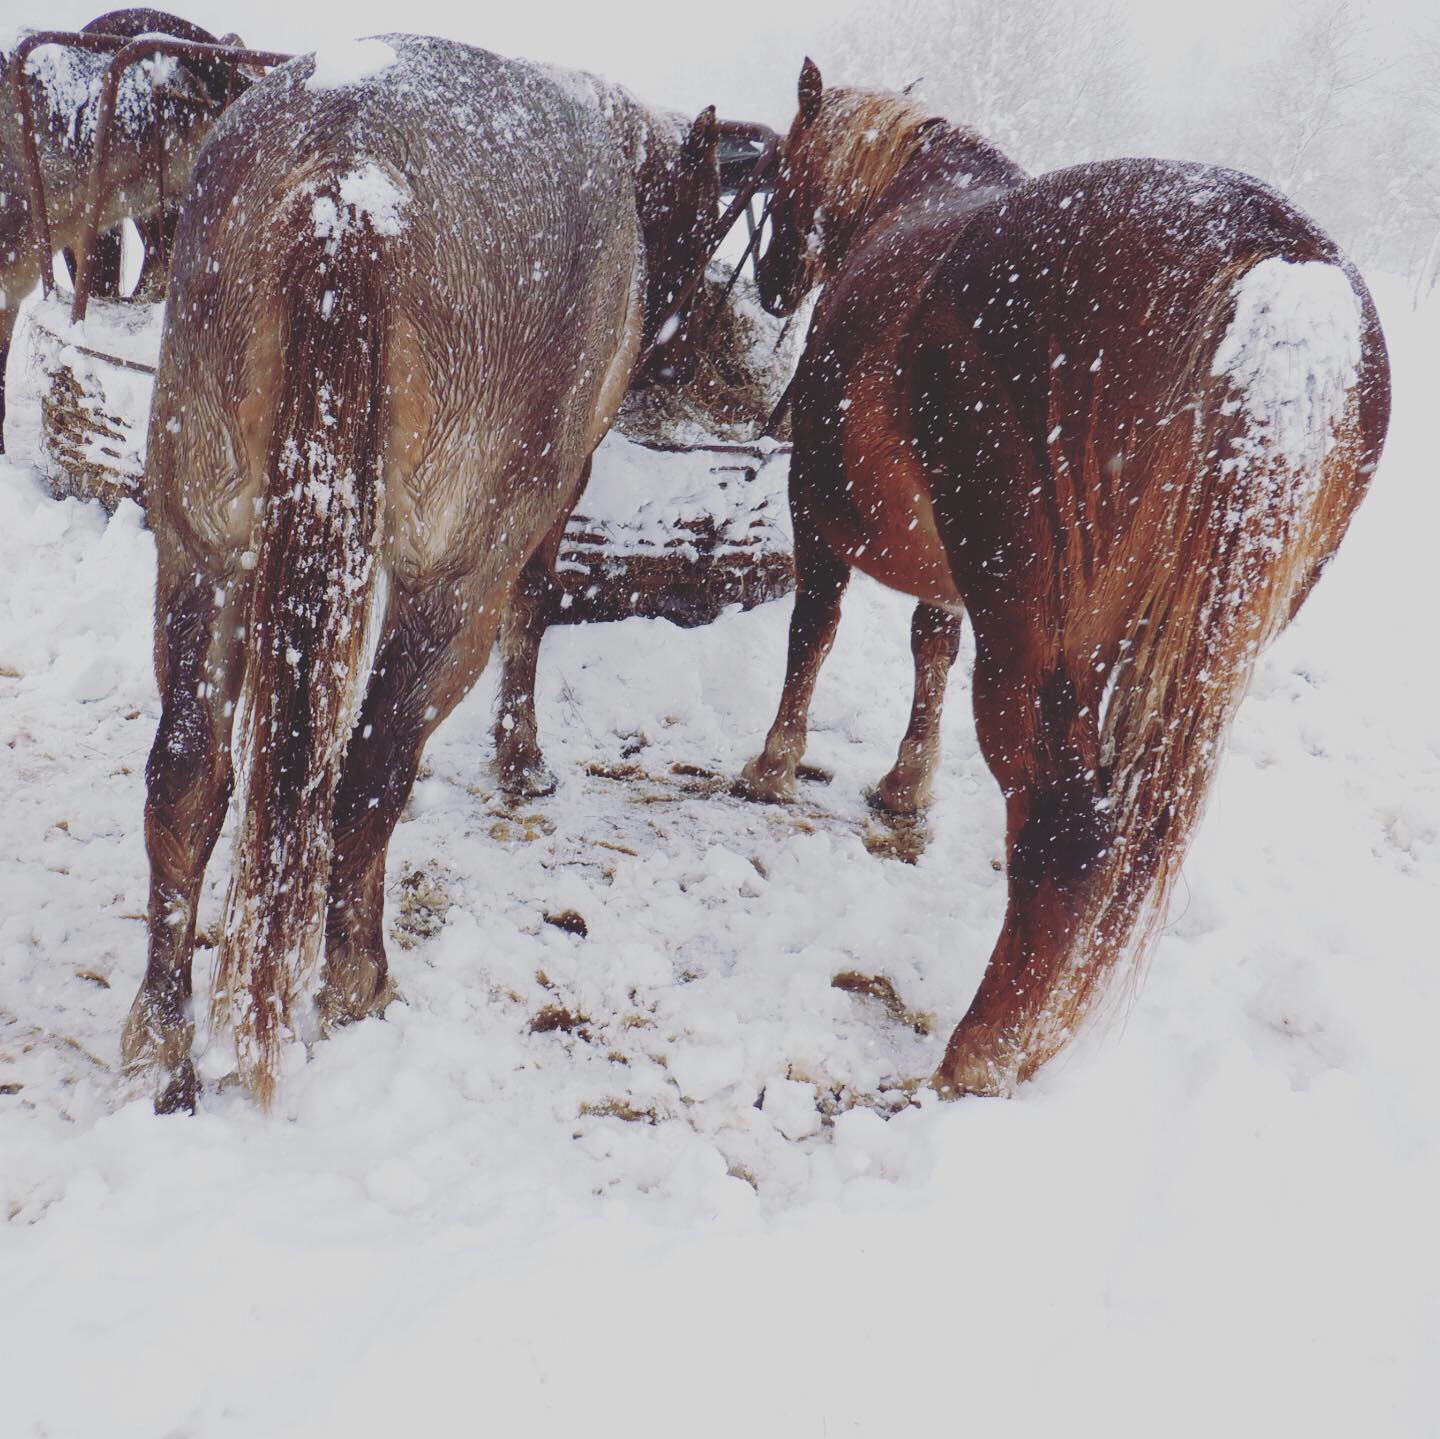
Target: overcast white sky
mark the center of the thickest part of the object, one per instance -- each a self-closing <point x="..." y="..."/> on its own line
<point x="742" y="55"/>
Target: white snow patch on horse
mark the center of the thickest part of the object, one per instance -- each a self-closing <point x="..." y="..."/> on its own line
<point x="348" y="62"/>
<point x="1292" y="352"/>
<point x="367" y="192"/>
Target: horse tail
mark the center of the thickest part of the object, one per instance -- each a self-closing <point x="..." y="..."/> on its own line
<point x="312" y="607"/>
<point x="1281" y="410"/>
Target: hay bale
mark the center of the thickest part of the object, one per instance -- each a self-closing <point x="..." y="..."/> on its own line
<point x="96" y="381"/>
<point x="725" y="373"/>
<point x="680" y="538"/>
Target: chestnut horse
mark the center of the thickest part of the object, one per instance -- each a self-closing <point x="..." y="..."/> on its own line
<point x="1122" y="414"/>
<point x="407" y="296"/>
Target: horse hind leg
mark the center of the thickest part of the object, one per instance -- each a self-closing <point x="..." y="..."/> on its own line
<point x="188" y="781"/>
<point x="820" y="580"/>
<point x="8" y="315"/>
<point x="1041" y="740"/>
<point x="428" y="659"/>
<point x="935" y="642"/>
<point x="519" y="764"/>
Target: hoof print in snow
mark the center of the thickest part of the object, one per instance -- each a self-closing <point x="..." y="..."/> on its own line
<point x="571" y="921"/>
<point x="597" y="769"/>
<point x="895" y="836"/>
<point x="424" y="901"/>
<point x="693" y="771"/>
<point x="876" y="986"/>
<point x="619" y="1109"/>
<point x="555" y="1016"/>
<point x="632" y="744"/>
<point x="526" y="828"/>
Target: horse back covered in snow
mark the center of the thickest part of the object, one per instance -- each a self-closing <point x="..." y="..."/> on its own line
<point x="409" y="288"/>
<point x="1122" y="414"/>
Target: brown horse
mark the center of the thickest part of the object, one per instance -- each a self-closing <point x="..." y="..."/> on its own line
<point x="407" y="296"/>
<point x="1122" y="414"/>
<point x="166" y="113"/>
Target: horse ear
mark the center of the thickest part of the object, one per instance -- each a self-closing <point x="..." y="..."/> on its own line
<point x="704" y="137"/>
<point x="811" y="89"/>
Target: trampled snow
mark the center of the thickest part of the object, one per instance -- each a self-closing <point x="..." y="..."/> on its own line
<point x="641" y="1182"/>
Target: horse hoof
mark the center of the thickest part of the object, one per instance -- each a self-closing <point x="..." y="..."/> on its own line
<point x="973" y="1077"/>
<point x="528" y="781"/>
<point x="762" y="786"/>
<point x="896" y="801"/>
<point x="341" y="1003"/>
<point x="181" y="1093"/>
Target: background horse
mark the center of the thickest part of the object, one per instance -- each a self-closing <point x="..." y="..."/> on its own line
<point x="677" y="188"/>
<point x="406" y="299"/>
<point x="1121" y="413"/>
<point x="164" y="113"/>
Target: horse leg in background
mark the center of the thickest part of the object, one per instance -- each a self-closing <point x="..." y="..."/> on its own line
<point x="519" y="762"/>
<point x="105" y="274"/>
<point x="200" y="664"/>
<point x="935" y="642"/>
<point x="8" y="315"/>
<point x="16" y="282"/>
<point x="157" y="235"/>
<point x="433" y="650"/>
<point x="1040" y="737"/>
<point x="106" y="267"/>
<point x="820" y="580"/>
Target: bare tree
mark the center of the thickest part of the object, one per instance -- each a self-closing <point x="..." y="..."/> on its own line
<point x="1349" y="133"/>
<point x="1049" y="82"/>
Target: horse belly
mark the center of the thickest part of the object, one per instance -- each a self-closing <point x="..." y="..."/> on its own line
<point x="889" y="530"/>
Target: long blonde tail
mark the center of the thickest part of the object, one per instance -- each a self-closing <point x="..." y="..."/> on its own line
<point x="1250" y="502"/>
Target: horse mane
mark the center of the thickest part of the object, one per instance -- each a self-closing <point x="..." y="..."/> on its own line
<point x="862" y="139"/>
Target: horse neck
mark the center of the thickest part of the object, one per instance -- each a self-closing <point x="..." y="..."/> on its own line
<point x="64" y="143"/>
<point x="951" y="168"/>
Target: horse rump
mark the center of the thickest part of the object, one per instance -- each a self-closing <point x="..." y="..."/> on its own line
<point x="1276" y="424"/>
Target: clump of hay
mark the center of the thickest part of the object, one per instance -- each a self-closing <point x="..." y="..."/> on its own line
<point x="722" y="377"/>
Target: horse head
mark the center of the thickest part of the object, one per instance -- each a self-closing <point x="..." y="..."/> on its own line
<point x="677" y="196"/>
<point x="843" y="149"/>
<point x="220" y="80"/>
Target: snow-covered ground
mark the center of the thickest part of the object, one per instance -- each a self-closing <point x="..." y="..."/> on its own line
<point x="639" y="1182"/>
